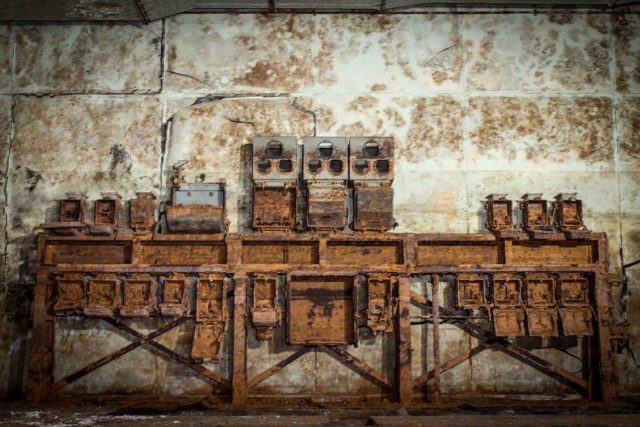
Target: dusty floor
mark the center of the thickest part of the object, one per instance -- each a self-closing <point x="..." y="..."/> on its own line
<point x="21" y="414"/>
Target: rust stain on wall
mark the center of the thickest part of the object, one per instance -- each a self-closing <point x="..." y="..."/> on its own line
<point x="554" y="129"/>
<point x="248" y="52"/>
<point x="629" y="132"/>
<point x="88" y="58"/>
<point x="626" y="30"/>
<point x="558" y="52"/>
<point x="436" y="123"/>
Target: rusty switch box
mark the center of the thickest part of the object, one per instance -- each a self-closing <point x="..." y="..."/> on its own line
<point x="506" y="290"/>
<point x="103" y="295"/>
<point x="508" y="322"/>
<point x="381" y="302"/>
<point x="470" y="291"/>
<point x="536" y="219"/>
<point x="326" y="171"/>
<point x="540" y="290"/>
<point x="573" y="289"/>
<point x="275" y="183"/>
<point x="175" y="296"/>
<point x="265" y="309"/>
<point x="140" y="298"/>
<point x="70" y="293"/>
<point x="371" y="169"/>
<point x="196" y="207"/>
<point x="500" y="216"/>
<point x="73" y="209"/>
<point x="542" y="322"/>
<point x="576" y="321"/>
<point x="568" y="218"/>
<point x="142" y="212"/>
<point x="321" y="310"/>
<point x="211" y="317"/>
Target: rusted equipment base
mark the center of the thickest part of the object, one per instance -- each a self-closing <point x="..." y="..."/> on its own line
<point x="330" y="266"/>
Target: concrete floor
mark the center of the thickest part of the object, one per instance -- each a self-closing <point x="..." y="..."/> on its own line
<point x="21" y="414"/>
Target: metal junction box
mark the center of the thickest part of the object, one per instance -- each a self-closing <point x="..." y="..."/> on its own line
<point x="371" y="167"/>
<point x="196" y="207"/>
<point x="326" y="170"/>
<point x="275" y="182"/>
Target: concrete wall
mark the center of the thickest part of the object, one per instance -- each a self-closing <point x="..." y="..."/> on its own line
<point x="477" y="103"/>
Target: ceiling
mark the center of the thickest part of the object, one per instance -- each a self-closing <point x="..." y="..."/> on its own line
<point x="149" y="10"/>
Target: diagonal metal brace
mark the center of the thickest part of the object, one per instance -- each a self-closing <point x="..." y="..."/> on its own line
<point x="173" y="355"/>
<point x="141" y="339"/>
<point x="360" y="366"/>
<point x="512" y="349"/>
<point x="278" y="367"/>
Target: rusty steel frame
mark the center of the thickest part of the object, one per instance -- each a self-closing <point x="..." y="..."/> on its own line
<point x="409" y="261"/>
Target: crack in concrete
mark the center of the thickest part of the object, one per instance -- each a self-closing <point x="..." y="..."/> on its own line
<point x="238" y="121"/>
<point x="5" y="189"/>
<point x="189" y="76"/>
<point x="302" y="108"/>
<point x="439" y="52"/>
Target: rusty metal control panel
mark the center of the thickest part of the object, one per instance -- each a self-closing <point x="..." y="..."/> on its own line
<point x="320" y="272"/>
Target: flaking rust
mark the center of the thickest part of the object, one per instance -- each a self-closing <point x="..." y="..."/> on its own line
<point x="265" y="309"/>
<point x="142" y="213"/>
<point x="500" y="216"/>
<point x="371" y="170"/>
<point x="576" y="313"/>
<point x="382" y="303"/>
<point x="104" y="296"/>
<point x="140" y="296"/>
<point x="326" y="170"/>
<point x="211" y="317"/>
<point x="275" y="183"/>
<point x="568" y="216"/>
<point x="507" y="313"/>
<point x="542" y="314"/>
<point x="175" y="296"/>
<point x="70" y="293"/>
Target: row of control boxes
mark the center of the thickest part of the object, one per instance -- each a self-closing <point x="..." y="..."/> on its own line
<point x="539" y="297"/>
<point x="331" y="166"/>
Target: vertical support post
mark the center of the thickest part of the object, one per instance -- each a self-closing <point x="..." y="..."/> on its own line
<point x="239" y="376"/>
<point x="435" y="299"/>
<point x="41" y="363"/>
<point x="602" y="379"/>
<point x="405" y="381"/>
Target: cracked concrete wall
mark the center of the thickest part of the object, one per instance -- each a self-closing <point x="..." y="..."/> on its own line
<point x="477" y="103"/>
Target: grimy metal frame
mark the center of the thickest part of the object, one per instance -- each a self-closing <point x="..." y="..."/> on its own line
<point x="405" y="256"/>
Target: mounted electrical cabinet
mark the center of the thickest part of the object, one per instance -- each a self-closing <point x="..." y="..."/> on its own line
<point x="371" y="169"/>
<point x="196" y="207"/>
<point x="275" y="183"/>
<point x="326" y="170"/>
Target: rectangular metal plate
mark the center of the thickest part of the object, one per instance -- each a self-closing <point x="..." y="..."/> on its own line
<point x="321" y="310"/>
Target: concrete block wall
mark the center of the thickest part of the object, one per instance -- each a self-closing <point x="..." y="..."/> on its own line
<point x="477" y="103"/>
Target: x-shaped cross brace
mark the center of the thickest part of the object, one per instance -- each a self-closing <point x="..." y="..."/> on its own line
<point x="489" y="340"/>
<point x="141" y="339"/>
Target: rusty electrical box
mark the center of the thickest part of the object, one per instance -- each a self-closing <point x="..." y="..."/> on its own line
<point x="500" y="216"/>
<point x="568" y="218"/>
<point x="508" y="314"/>
<point x="175" y="296"/>
<point x="470" y="291"/>
<point x="70" y="293"/>
<point x="142" y="212"/>
<point x="103" y="295"/>
<point x="196" y="207"/>
<point x="381" y="302"/>
<point x="321" y="310"/>
<point x="536" y="219"/>
<point x="106" y="216"/>
<point x="275" y="183"/>
<point x="371" y="170"/>
<point x="575" y="309"/>
<point x="265" y="308"/>
<point x="326" y="170"/>
<point x="211" y="317"/>
<point x="140" y="299"/>
<point x="73" y="209"/>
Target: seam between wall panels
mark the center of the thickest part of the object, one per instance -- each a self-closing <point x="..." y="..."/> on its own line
<point x="465" y="113"/>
